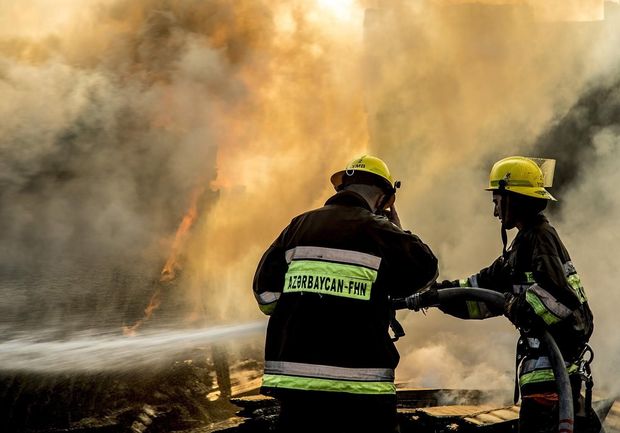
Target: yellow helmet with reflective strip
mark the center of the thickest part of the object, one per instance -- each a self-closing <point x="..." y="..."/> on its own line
<point x="520" y="175"/>
<point x="368" y="164"/>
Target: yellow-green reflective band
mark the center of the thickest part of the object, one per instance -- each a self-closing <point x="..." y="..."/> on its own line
<point x="326" y="278"/>
<point x="545" y="375"/>
<point x="529" y="277"/>
<point x="511" y="182"/>
<point x="540" y="309"/>
<point x="330" y="385"/>
<point x="575" y="283"/>
<point x="473" y="310"/>
<point x="464" y="282"/>
<point x="268" y="308"/>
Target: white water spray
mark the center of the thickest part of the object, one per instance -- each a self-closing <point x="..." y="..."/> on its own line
<point x="112" y="352"/>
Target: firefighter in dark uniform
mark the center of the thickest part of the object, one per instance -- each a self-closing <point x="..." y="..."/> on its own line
<point x="543" y="290"/>
<point x="326" y="283"/>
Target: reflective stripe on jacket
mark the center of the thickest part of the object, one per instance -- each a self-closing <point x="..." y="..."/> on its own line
<point x="326" y="282"/>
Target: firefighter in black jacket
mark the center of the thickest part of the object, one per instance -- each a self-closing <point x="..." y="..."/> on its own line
<point x="542" y="289"/>
<point x="326" y="283"/>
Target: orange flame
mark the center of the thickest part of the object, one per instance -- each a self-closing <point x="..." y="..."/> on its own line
<point x="169" y="271"/>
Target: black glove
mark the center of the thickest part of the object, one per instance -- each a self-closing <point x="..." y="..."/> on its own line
<point x="445" y="284"/>
<point x="519" y="312"/>
<point x="510" y="307"/>
<point x="423" y="299"/>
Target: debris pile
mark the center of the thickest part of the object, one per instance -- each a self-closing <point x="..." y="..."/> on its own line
<point x="182" y="396"/>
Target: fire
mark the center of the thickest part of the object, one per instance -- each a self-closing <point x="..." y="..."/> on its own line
<point x="168" y="273"/>
<point x="172" y="265"/>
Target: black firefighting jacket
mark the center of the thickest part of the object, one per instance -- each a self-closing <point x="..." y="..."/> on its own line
<point x="538" y="270"/>
<point x="326" y="283"/>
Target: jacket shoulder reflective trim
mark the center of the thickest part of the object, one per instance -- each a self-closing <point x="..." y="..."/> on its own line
<point x="329" y="385"/>
<point x="328" y="278"/>
<point x="545" y="305"/>
<point x="333" y="255"/>
<point x="329" y="371"/>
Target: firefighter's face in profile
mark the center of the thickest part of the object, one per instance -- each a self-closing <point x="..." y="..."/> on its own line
<point x="502" y="210"/>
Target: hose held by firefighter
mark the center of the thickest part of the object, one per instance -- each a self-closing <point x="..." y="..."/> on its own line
<point x="542" y="290"/>
<point x="326" y="283"/>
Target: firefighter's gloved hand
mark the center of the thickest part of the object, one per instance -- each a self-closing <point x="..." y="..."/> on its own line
<point x="445" y="284"/>
<point x="509" y="306"/>
<point x="423" y="299"/>
<point x="518" y="311"/>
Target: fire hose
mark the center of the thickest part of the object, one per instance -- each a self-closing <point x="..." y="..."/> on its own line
<point x="566" y="415"/>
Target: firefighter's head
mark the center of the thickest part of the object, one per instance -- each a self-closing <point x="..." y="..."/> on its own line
<point x="518" y="187"/>
<point x="370" y="176"/>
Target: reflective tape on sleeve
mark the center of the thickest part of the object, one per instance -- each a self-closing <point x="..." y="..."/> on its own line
<point x="574" y="281"/>
<point x="545" y="305"/>
<point x="267" y="309"/>
<point x="267" y="301"/>
<point x="267" y="297"/>
<point x="333" y="255"/>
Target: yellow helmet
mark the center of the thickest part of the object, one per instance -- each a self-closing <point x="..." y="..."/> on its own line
<point x="519" y="175"/>
<point x="369" y="164"/>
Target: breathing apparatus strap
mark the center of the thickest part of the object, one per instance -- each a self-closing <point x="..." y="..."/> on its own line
<point x="504" y="241"/>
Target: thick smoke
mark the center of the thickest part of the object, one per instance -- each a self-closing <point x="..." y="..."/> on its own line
<point x="115" y="112"/>
<point x="452" y="89"/>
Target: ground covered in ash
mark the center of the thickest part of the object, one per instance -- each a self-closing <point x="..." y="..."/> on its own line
<point x="183" y="396"/>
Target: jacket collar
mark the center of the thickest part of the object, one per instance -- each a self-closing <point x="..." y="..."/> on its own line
<point x="534" y="221"/>
<point x="348" y="198"/>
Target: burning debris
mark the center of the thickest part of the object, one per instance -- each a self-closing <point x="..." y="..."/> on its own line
<point x="173" y="265"/>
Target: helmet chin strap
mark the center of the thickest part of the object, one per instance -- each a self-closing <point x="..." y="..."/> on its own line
<point x="503" y="214"/>
<point x="504" y="241"/>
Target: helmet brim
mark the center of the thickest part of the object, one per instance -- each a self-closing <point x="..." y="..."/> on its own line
<point x="536" y="192"/>
<point x="336" y="178"/>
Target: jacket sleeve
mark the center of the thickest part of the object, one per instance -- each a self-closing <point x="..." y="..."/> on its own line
<point x="550" y="297"/>
<point x="412" y="265"/>
<point x="488" y="278"/>
<point x="269" y="276"/>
